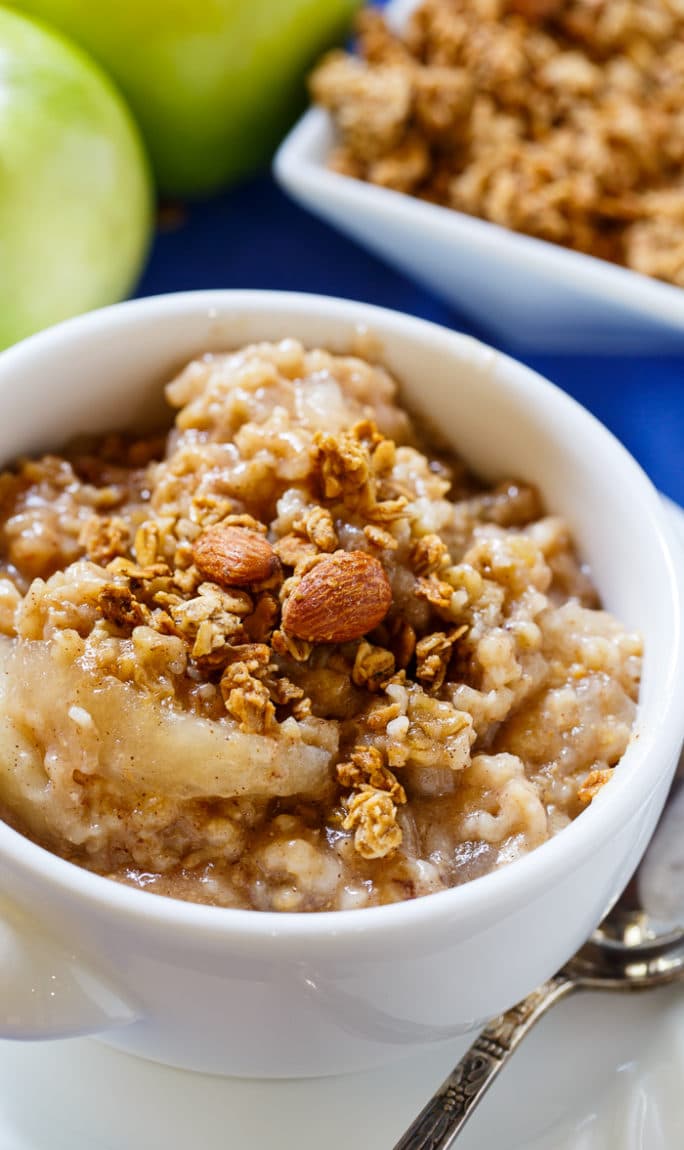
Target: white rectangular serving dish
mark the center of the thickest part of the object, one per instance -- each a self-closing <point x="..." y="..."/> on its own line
<point x="518" y="290"/>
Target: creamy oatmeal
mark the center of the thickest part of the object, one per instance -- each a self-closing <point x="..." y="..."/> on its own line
<point x="293" y="657"/>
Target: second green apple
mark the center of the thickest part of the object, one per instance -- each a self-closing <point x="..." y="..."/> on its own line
<point x="213" y="83"/>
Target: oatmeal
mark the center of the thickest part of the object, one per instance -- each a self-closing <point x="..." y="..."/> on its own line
<point x="293" y="656"/>
<point x="563" y="119"/>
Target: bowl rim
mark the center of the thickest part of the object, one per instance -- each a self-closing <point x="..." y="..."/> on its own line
<point x="492" y="895"/>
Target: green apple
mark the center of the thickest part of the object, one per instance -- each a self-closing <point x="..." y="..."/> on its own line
<point x="75" y="189"/>
<point x="213" y="83"/>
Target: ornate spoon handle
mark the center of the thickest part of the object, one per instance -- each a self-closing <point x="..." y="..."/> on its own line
<point x="439" y="1123"/>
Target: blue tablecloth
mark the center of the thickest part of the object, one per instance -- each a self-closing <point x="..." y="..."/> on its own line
<point x="254" y="237"/>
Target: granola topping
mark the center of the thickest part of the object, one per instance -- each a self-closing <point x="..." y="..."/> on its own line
<point x="559" y="118"/>
<point x="295" y="659"/>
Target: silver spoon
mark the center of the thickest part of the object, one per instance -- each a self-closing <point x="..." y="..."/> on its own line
<point x="626" y="952"/>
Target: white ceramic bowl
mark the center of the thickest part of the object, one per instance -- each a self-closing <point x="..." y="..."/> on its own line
<point x="242" y="992"/>
<point x="524" y="291"/>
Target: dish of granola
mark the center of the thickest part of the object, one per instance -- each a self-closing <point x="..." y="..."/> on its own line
<point x="562" y="119"/>
<point x="293" y="656"/>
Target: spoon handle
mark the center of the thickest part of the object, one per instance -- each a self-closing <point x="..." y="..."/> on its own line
<point x="442" y="1119"/>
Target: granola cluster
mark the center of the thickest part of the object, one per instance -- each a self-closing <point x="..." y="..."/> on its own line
<point x="563" y="119"/>
<point x="294" y="658"/>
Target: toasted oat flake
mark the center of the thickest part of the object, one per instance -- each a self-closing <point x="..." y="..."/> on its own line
<point x="593" y="783"/>
<point x="372" y="816"/>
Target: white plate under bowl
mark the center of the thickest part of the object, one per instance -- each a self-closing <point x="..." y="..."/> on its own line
<point x="525" y="292"/>
<point x="601" y="1072"/>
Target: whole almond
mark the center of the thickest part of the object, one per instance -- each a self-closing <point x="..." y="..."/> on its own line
<point x="234" y="556"/>
<point x="343" y="597"/>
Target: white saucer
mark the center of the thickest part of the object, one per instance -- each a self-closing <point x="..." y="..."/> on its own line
<point x="602" y="1072"/>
